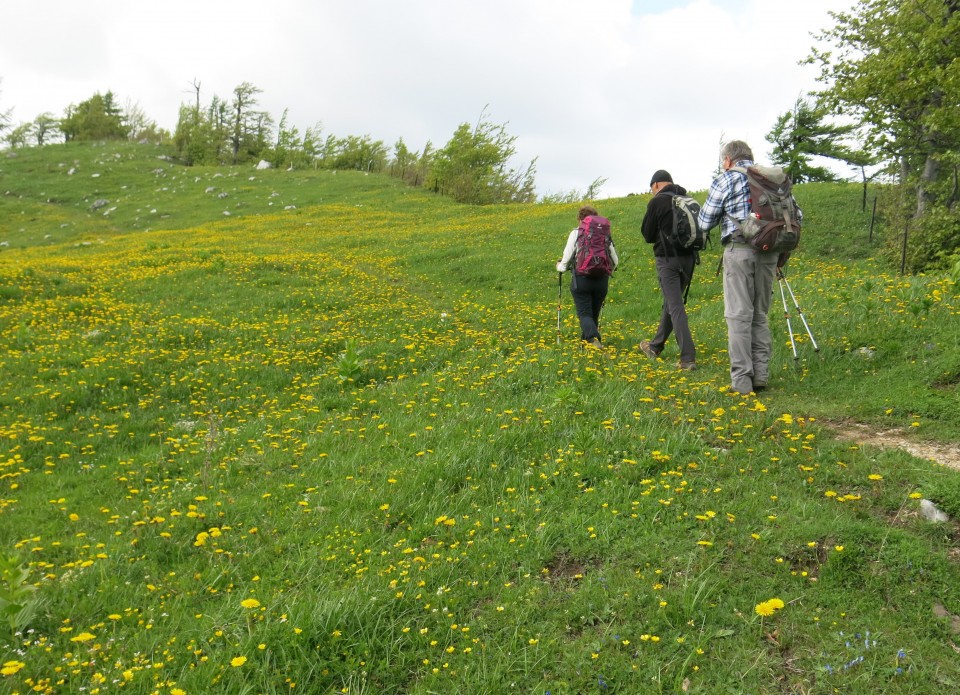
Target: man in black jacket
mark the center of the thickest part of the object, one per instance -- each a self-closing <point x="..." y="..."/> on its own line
<point x="674" y="271"/>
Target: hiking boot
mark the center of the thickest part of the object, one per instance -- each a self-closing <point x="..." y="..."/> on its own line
<point x="759" y="386"/>
<point x="648" y="350"/>
<point x="687" y="366"/>
<point x="597" y="344"/>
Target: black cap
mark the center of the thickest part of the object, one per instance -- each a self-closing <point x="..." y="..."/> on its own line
<point x="661" y="175"/>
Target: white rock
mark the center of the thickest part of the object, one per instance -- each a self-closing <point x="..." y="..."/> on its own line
<point x="931" y="512"/>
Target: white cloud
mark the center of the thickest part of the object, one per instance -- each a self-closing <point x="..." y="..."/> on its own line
<point x="592" y="88"/>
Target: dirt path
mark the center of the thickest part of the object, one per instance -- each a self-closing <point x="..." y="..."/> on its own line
<point x="946" y="454"/>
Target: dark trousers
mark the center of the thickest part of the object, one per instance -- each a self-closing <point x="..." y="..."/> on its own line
<point x="588" y="295"/>
<point x="675" y="274"/>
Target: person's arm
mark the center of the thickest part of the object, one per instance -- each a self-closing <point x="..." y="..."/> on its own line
<point x="650" y="227"/>
<point x="711" y="213"/>
<point x="564" y="262"/>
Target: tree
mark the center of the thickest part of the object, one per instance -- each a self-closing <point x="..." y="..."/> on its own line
<point x="800" y="134"/>
<point x="352" y="152"/>
<point x="245" y="121"/>
<point x="473" y="166"/>
<point x="139" y="126"/>
<point x="5" y="119"/>
<point x="895" y="67"/>
<point x="19" y="136"/>
<point x="97" y="118"/>
<point x="45" y="126"/>
<point x="202" y="136"/>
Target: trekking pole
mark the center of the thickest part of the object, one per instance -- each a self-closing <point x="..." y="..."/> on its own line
<point x="786" y="315"/>
<point x="559" y="302"/>
<point x="816" y="348"/>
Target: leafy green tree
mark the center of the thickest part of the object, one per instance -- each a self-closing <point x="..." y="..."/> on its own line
<point x="353" y="152"/>
<point x="5" y="119"/>
<point x="288" y="140"/>
<point x="139" y="126"/>
<point x="201" y="136"/>
<point x="249" y="129"/>
<point x="19" y="136"/>
<point x="97" y="118"/>
<point x="473" y="166"/>
<point x="575" y="195"/>
<point x="404" y="162"/>
<point x="801" y="134"/>
<point x="44" y="128"/>
<point x="893" y="64"/>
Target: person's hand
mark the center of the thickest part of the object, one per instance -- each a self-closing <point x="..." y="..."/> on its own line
<point x="782" y="259"/>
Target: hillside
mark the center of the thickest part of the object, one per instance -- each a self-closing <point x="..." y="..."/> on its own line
<point x="333" y="442"/>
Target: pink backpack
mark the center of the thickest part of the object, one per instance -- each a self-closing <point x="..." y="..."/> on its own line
<point x="593" y="243"/>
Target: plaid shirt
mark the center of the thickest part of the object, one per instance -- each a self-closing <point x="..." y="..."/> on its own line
<point x="729" y="194"/>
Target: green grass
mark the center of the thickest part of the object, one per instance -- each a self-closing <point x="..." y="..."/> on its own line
<point x="340" y="446"/>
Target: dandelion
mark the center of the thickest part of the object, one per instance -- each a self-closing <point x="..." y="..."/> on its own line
<point x="250" y="603"/>
<point x="83" y="637"/>
<point x="764" y="609"/>
<point x="768" y="607"/>
<point x="11" y="667"/>
<point x="238" y="661"/>
<point x="875" y="476"/>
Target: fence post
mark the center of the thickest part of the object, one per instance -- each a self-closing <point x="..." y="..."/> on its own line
<point x="873" y="217"/>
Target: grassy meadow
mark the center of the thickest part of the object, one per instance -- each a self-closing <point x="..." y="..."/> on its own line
<point x="315" y="432"/>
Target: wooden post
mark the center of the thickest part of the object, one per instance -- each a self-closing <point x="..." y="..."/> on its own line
<point x="873" y="217"/>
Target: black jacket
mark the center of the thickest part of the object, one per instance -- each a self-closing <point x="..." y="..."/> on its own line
<point x="658" y="221"/>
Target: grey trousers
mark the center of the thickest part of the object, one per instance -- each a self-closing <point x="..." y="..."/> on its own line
<point x="747" y="292"/>
<point x="674" y="274"/>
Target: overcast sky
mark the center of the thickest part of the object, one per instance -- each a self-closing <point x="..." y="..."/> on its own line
<point x="591" y="88"/>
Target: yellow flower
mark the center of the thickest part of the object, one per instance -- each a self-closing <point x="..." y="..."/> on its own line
<point x="83" y="637"/>
<point x="875" y="476"/>
<point x="764" y="609"/>
<point x="250" y="603"/>
<point x="238" y="661"/>
<point x="11" y="667"/>
<point x="776" y="603"/>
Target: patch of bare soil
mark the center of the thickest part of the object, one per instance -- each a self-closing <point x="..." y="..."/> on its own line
<point x="939" y="452"/>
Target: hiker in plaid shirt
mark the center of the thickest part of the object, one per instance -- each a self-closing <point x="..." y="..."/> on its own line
<point x="748" y="274"/>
